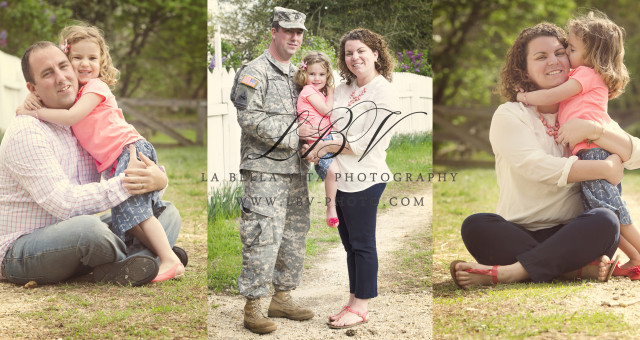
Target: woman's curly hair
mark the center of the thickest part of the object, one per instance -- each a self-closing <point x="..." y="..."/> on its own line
<point x="376" y="43"/>
<point x="76" y="33"/>
<point x="513" y="75"/>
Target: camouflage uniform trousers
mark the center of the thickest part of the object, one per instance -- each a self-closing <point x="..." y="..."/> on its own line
<point x="273" y="235"/>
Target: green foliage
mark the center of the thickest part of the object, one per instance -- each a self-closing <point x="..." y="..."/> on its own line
<point x="156" y="45"/>
<point x="25" y="22"/>
<point x="406" y="24"/>
<point x="309" y="43"/>
<point x="223" y="203"/>
<point x="230" y="59"/>
<point x="471" y="39"/>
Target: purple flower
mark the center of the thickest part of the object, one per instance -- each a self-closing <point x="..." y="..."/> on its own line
<point x="212" y="64"/>
<point x="52" y="18"/>
<point x="223" y="59"/>
<point x="399" y="54"/>
<point x="3" y="4"/>
<point x="409" y="53"/>
<point x="419" y="55"/>
<point x="417" y="70"/>
<point x="3" y="38"/>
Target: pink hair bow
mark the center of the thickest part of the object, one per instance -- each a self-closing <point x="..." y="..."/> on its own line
<point x="303" y="65"/>
<point x="65" y="47"/>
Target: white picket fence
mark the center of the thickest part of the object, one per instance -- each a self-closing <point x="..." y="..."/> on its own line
<point x="413" y="91"/>
<point x="13" y="88"/>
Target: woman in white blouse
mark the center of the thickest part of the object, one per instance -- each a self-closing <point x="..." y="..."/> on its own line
<point x="540" y="230"/>
<point x="363" y="113"/>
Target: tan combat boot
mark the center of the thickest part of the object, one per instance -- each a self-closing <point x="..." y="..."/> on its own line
<point x="282" y="306"/>
<point x="254" y="320"/>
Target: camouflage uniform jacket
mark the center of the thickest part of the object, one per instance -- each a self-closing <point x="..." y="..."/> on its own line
<point x="265" y="95"/>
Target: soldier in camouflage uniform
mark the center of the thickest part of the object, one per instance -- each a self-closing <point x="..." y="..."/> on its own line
<point x="275" y="208"/>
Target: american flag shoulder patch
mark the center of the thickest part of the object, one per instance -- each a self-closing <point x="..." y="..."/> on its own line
<point x="249" y="81"/>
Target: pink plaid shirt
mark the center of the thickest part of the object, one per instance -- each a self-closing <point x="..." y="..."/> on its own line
<point x="45" y="178"/>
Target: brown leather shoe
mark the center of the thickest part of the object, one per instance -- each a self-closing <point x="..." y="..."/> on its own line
<point x="254" y="320"/>
<point x="282" y="306"/>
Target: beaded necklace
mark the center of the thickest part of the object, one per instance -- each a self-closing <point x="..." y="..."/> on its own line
<point x="354" y="98"/>
<point x="551" y="130"/>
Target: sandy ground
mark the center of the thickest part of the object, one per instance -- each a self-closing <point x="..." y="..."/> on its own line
<point x="324" y="288"/>
<point x="620" y="295"/>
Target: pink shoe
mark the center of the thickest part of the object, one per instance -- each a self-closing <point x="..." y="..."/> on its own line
<point x="169" y="274"/>
<point x="333" y="222"/>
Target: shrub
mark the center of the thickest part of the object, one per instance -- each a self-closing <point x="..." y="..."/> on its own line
<point x="414" y="62"/>
<point x="230" y="59"/>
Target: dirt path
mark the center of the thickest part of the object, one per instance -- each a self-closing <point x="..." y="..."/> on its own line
<point x="324" y="289"/>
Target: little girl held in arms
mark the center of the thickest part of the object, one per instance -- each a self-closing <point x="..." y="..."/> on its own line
<point x="314" y="106"/>
<point x="596" y="53"/>
<point x="101" y="129"/>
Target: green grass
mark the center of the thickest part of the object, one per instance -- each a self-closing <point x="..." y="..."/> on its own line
<point x="224" y="254"/>
<point x="172" y="309"/>
<point x="406" y="154"/>
<point x="513" y="311"/>
<point x="223" y="203"/>
<point x="414" y="263"/>
<point x="161" y="138"/>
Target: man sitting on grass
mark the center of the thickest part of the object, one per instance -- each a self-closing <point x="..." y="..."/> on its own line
<point x="49" y="187"/>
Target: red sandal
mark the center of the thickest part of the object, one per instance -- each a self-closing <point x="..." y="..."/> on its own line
<point x="633" y="273"/>
<point x="348" y="309"/>
<point x="613" y="265"/>
<point x="493" y="272"/>
<point x="338" y="315"/>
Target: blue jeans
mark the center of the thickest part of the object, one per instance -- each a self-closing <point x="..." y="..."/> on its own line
<point x="600" y="193"/>
<point x="137" y="208"/>
<point x="60" y="251"/>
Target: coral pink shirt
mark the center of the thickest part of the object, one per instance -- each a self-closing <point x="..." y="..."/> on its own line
<point x="309" y="113"/>
<point x="104" y="132"/>
<point x="590" y="104"/>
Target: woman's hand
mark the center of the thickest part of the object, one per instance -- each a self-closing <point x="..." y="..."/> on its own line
<point x="614" y="175"/>
<point x="576" y="130"/>
<point x="143" y="176"/>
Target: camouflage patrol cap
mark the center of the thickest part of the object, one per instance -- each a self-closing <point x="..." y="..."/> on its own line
<point x="289" y="18"/>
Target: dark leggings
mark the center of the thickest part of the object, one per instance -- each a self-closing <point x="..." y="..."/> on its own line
<point x="545" y="253"/>
<point x="357" y="214"/>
